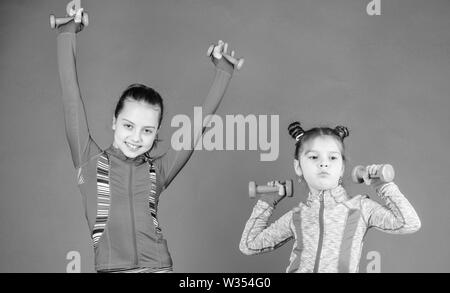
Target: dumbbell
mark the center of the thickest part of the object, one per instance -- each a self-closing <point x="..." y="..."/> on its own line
<point x="385" y="173"/>
<point x="236" y="62"/>
<point x="55" y="22"/>
<point x="254" y="189"/>
<point x="71" y="10"/>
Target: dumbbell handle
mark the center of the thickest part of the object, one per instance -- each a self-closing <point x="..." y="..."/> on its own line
<point x="266" y="189"/>
<point x="57" y="21"/>
<point x="254" y="189"/>
<point x="385" y="173"/>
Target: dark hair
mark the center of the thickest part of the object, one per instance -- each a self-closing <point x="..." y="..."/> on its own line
<point x="301" y="136"/>
<point x="140" y="93"/>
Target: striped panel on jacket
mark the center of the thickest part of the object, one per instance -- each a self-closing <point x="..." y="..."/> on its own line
<point x="153" y="198"/>
<point x="103" y="198"/>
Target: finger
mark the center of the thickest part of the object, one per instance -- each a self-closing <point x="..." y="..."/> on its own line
<point x="217" y="52"/>
<point x="366" y="178"/>
<point x="225" y="48"/>
<point x="270" y="183"/>
<point x="374" y="169"/>
<point x="282" y="190"/>
<point x="232" y="60"/>
<point x="220" y="45"/>
<point x="232" y="53"/>
<point x="368" y="170"/>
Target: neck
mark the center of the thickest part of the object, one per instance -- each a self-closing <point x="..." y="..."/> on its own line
<point x="336" y="194"/>
<point x="318" y="191"/>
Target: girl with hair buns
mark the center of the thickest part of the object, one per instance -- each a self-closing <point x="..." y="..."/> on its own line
<point x="329" y="228"/>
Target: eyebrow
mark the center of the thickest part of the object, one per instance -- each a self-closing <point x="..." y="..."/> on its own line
<point x="134" y="124"/>
<point x="314" y="151"/>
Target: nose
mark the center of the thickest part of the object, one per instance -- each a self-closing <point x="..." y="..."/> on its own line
<point x="324" y="164"/>
<point x="136" y="137"/>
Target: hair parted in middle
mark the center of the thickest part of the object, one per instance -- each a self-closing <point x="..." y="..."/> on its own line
<point x="301" y="136"/>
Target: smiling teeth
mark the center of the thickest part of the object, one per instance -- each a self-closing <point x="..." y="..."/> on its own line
<point x="132" y="146"/>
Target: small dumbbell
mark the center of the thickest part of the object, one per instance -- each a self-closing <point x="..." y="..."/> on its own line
<point x="254" y="189"/>
<point x="385" y="173"/>
<point x="74" y="12"/>
<point x="236" y="62"/>
<point x="55" y="22"/>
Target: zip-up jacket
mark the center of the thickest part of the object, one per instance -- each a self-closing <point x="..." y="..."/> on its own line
<point x="120" y="195"/>
<point x="329" y="229"/>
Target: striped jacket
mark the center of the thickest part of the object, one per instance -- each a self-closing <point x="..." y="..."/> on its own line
<point x="120" y="195"/>
<point x="329" y="228"/>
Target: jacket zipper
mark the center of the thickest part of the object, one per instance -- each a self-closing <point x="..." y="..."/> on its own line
<point x="133" y="228"/>
<point x="321" y="232"/>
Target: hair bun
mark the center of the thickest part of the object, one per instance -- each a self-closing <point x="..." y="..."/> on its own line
<point x="342" y="131"/>
<point x="295" y="130"/>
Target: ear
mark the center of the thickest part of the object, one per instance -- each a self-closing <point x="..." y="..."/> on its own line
<point x="114" y="123"/>
<point x="297" y="168"/>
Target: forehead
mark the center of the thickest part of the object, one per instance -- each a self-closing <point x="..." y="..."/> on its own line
<point x="140" y="113"/>
<point x="323" y="144"/>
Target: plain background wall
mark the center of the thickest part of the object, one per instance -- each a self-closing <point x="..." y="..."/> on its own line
<point x="321" y="62"/>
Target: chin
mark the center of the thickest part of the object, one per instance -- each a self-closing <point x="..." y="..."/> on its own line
<point x="129" y="154"/>
<point x="327" y="186"/>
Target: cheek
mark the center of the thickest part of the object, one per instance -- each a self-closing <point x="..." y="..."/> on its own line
<point x="339" y="168"/>
<point x="307" y="168"/>
<point x="120" y="132"/>
<point x="149" y="139"/>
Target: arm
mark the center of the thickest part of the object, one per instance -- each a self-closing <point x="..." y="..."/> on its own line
<point x="397" y="216"/>
<point x="258" y="238"/>
<point x="77" y="130"/>
<point x="224" y="71"/>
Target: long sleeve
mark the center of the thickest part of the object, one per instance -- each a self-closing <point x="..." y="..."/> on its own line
<point x="397" y="216"/>
<point x="77" y="130"/>
<point x="258" y="238"/>
<point x="222" y="78"/>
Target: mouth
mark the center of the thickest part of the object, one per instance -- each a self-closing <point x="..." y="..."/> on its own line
<point x="132" y="147"/>
<point x="323" y="174"/>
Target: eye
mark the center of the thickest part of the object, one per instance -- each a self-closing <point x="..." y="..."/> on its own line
<point x="312" y="157"/>
<point x="148" y="131"/>
<point x="333" y="158"/>
<point x="128" y="126"/>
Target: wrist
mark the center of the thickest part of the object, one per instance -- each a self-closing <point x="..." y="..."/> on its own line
<point x="381" y="187"/>
<point x="270" y="200"/>
<point x="224" y="65"/>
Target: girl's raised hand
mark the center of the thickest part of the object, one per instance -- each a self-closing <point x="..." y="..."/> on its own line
<point x="274" y="199"/>
<point x="281" y="187"/>
<point x="219" y="50"/>
<point x="370" y="174"/>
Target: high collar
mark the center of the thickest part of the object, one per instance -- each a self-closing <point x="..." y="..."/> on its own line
<point x="330" y="197"/>
<point x="139" y="160"/>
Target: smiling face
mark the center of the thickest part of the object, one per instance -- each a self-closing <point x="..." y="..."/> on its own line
<point x="321" y="163"/>
<point x="135" y="128"/>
